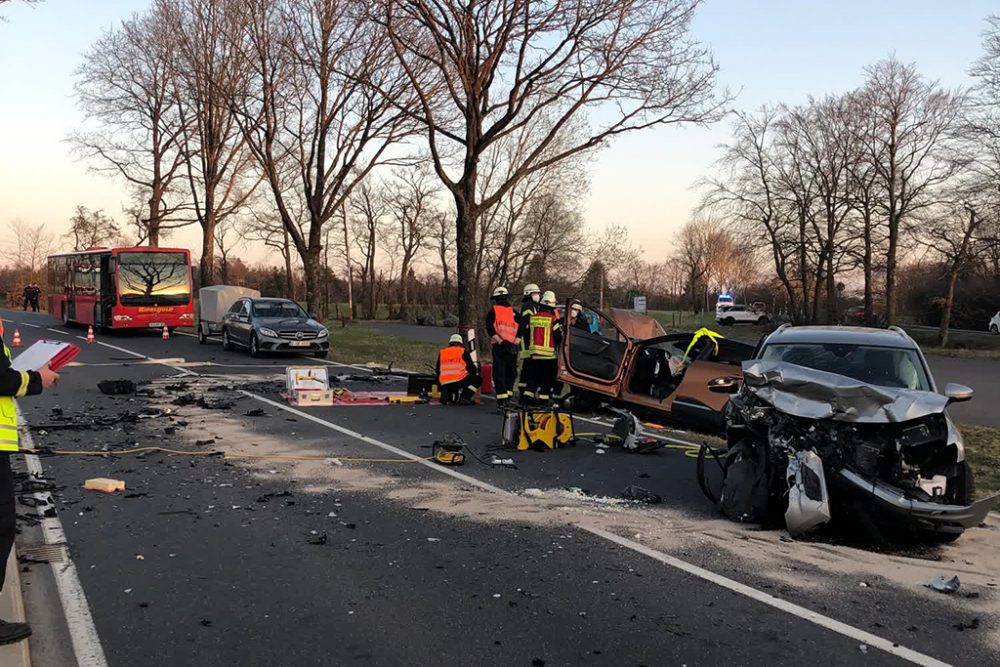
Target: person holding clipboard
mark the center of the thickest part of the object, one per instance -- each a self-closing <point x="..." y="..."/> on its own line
<point x="13" y="384"/>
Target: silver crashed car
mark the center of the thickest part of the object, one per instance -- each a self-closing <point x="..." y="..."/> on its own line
<point x="835" y="423"/>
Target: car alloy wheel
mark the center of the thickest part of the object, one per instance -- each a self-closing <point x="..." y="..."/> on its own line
<point x="995" y="330"/>
<point x="227" y="344"/>
<point x="254" y="346"/>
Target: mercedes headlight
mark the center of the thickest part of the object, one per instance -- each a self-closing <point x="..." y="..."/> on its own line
<point x="323" y="333"/>
<point x="270" y="333"/>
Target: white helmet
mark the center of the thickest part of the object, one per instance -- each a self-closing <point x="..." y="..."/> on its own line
<point x="549" y="298"/>
<point x="456" y="338"/>
<point x="531" y="288"/>
<point x="500" y="291"/>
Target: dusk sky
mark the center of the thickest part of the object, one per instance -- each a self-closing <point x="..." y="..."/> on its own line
<point x="769" y="51"/>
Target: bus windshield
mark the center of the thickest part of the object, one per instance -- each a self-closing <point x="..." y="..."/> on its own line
<point x="153" y="278"/>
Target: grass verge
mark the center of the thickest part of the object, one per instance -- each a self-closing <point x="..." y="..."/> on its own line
<point x="358" y="343"/>
<point x="982" y="450"/>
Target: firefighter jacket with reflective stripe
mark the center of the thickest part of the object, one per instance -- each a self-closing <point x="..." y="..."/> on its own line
<point x="500" y="321"/>
<point x="13" y="384"/>
<point x="451" y="364"/>
<point x="528" y="308"/>
<point x="543" y="334"/>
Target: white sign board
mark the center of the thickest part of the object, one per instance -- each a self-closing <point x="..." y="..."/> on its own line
<point x="639" y="304"/>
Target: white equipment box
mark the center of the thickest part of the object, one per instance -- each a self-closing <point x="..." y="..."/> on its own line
<point x="308" y="385"/>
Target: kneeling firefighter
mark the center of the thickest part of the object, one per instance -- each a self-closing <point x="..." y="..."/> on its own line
<point x="501" y="326"/>
<point x="457" y="374"/>
<point x="544" y="336"/>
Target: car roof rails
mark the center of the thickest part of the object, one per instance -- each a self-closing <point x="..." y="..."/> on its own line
<point x="782" y="327"/>
<point x="898" y="330"/>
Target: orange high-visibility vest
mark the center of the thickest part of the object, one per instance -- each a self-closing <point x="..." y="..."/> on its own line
<point x="452" y="364"/>
<point x="540" y="343"/>
<point x="504" y="323"/>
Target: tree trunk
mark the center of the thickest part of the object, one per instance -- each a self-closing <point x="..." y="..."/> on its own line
<point x="153" y="227"/>
<point x="465" y="236"/>
<point x="313" y="277"/>
<point x="868" y="271"/>
<point x="404" y="292"/>
<point x="890" y="273"/>
<point x="287" y="251"/>
<point x="949" y="300"/>
<point x="207" y="266"/>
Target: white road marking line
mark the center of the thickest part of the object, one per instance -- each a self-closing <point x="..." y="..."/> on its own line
<point x="735" y="586"/>
<point x="766" y="598"/>
<point x="164" y="362"/>
<point x="378" y="443"/>
<point x="29" y="324"/>
<point x="82" y="631"/>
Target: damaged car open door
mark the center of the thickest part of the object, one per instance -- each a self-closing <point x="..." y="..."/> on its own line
<point x="594" y="361"/>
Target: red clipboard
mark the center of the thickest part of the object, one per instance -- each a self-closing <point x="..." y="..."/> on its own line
<point x="54" y="353"/>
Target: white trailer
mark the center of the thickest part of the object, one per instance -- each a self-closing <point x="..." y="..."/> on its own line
<point x="214" y="302"/>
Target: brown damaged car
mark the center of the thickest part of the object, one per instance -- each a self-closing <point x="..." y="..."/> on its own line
<point x="625" y="358"/>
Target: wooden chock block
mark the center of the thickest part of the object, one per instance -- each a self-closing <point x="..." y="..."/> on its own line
<point x="104" y="484"/>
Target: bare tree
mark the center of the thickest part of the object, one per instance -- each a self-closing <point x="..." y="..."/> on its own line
<point x="206" y="68"/>
<point x="226" y="238"/>
<point x="310" y="113"/>
<point x="913" y="122"/>
<point x="29" y="248"/>
<point x="368" y="209"/>
<point x="952" y="230"/>
<point x="92" y="228"/>
<point x="411" y="207"/>
<point x="485" y="70"/>
<point x="746" y="194"/>
<point x="126" y="86"/>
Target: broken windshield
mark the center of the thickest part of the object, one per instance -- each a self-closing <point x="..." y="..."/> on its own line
<point x="880" y="366"/>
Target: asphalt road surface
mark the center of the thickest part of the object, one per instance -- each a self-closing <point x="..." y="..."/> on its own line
<point x="367" y="554"/>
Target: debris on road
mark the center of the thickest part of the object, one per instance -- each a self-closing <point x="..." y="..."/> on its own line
<point x="941" y="584"/>
<point x="104" y="484"/>
<point x="641" y="494"/>
<point x="962" y="626"/>
<point x="116" y="387"/>
<point x="318" y="540"/>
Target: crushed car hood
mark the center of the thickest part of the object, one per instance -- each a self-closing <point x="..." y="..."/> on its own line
<point x="811" y="394"/>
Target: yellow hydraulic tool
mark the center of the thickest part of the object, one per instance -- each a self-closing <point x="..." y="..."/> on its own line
<point x="448" y="452"/>
<point x="543" y="428"/>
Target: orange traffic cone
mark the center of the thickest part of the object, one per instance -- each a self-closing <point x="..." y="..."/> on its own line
<point x="1" y="329"/>
<point x="17" y="339"/>
<point x="166" y="334"/>
<point x="90" y="334"/>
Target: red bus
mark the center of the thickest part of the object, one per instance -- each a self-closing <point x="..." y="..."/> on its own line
<point x="122" y="288"/>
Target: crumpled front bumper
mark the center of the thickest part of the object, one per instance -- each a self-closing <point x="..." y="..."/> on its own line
<point x="929" y="516"/>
